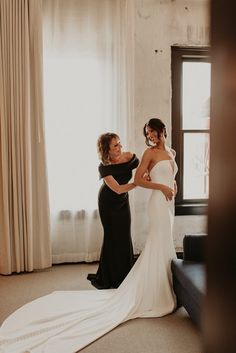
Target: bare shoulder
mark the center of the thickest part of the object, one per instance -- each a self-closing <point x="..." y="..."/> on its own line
<point x="173" y="152"/>
<point x="127" y="155"/>
<point x="154" y="152"/>
<point x="148" y="153"/>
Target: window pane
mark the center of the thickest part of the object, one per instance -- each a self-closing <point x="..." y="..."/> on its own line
<point x="196" y="166"/>
<point x="196" y="95"/>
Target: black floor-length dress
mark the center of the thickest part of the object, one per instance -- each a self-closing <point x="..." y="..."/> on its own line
<point x="117" y="258"/>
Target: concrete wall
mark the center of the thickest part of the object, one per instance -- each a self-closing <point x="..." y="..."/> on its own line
<point x="159" y="24"/>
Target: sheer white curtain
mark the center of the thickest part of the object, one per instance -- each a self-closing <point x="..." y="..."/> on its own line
<point x="88" y="63"/>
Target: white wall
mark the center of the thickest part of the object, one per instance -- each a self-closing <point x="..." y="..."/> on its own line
<point x="159" y="24"/>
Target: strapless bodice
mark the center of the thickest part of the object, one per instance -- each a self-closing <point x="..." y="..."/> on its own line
<point x="164" y="172"/>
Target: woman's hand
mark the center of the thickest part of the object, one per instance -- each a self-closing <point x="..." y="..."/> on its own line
<point x="116" y="187"/>
<point x="168" y="192"/>
<point x="147" y="177"/>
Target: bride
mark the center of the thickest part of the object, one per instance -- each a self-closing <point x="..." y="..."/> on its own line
<point x="67" y="321"/>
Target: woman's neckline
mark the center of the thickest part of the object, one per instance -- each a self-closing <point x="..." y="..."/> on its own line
<point x="106" y="165"/>
<point x="170" y="160"/>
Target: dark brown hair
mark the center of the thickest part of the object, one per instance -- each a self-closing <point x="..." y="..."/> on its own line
<point x="103" y="146"/>
<point x="157" y="125"/>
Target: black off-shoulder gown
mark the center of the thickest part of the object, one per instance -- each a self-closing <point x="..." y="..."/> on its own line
<point x="117" y="256"/>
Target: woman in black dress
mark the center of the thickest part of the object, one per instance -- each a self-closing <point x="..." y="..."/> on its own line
<point x="116" y="257"/>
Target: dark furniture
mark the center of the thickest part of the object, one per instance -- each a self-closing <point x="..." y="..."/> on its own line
<point x="189" y="276"/>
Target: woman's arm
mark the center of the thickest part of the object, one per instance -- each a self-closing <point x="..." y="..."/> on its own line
<point x="116" y="187"/>
<point x="140" y="179"/>
<point x="175" y="188"/>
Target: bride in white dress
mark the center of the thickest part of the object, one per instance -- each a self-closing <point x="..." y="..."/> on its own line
<point x="67" y="321"/>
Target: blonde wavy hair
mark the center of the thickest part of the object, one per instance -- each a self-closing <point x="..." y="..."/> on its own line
<point x="103" y="146"/>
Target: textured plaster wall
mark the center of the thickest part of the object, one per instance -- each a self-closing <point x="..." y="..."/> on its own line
<point x="159" y="24"/>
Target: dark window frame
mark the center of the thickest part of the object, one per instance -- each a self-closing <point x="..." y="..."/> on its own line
<point x="178" y="56"/>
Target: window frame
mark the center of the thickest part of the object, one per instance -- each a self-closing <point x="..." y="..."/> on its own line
<point x="180" y="54"/>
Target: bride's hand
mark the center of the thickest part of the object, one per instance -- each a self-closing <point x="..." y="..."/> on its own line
<point x="147" y="177"/>
<point x="168" y="192"/>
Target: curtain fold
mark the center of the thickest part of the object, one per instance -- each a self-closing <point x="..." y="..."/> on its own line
<point x="24" y="206"/>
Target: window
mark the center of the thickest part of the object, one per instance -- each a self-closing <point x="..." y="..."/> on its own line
<point x="191" y="78"/>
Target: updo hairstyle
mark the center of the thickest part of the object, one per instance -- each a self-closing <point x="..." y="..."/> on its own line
<point x="157" y="125"/>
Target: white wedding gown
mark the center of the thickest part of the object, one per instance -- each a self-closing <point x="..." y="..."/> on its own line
<point x="67" y="321"/>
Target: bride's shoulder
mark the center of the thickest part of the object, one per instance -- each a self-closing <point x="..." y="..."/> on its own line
<point x="173" y="152"/>
<point x="149" y="153"/>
